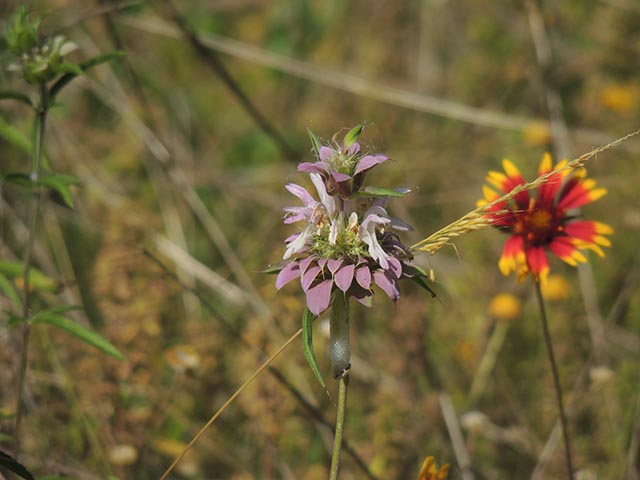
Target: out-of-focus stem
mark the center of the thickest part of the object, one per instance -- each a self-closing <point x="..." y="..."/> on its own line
<point x="556" y="380"/>
<point x="337" y="440"/>
<point x="36" y="161"/>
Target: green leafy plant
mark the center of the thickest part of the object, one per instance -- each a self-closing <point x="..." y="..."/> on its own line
<point x="42" y="64"/>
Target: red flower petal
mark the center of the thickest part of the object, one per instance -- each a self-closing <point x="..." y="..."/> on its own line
<point x="578" y="192"/>
<point x="512" y="254"/>
<point x="538" y="262"/>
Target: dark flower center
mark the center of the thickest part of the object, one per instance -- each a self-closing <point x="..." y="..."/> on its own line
<point x="538" y="225"/>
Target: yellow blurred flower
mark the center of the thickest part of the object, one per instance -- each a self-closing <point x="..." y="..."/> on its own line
<point x="505" y="306"/>
<point x="430" y="471"/>
<point x="537" y="134"/>
<point x="555" y="287"/>
<point x="619" y="97"/>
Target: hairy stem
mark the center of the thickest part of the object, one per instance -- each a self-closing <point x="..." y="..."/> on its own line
<point x="36" y="166"/>
<point x="556" y="380"/>
<point x="339" y="342"/>
<point x="343" y="382"/>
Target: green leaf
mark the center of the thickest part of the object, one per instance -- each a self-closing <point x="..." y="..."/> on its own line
<point x="382" y="192"/>
<point x="353" y="135"/>
<point x="64" y="80"/>
<point x="37" y="279"/>
<point x="61" y="183"/>
<point x="9" y="291"/>
<point x="20" y="179"/>
<point x="307" y="344"/>
<point x="21" y="97"/>
<point x="14" y="137"/>
<point x="14" y="466"/>
<point x="424" y="285"/>
<point x="14" y="319"/>
<point x="315" y="143"/>
<point x="53" y="317"/>
<point x="71" y="68"/>
<point x="272" y="269"/>
<point x="102" y="58"/>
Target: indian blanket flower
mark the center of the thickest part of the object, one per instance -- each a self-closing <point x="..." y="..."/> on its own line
<point x="545" y="219"/>
<point x="348" y="242"/>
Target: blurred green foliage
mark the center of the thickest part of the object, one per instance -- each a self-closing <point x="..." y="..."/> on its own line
<point x="157" y="137"/>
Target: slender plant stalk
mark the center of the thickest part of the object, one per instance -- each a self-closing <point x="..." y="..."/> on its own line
<point x="337" y="440"/>
<point x="36" y="167"/>
<point x="556" y="380"/>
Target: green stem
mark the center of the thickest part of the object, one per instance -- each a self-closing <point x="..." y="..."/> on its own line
<point x="36" y="167"/>
<point x="556" y="380"/>
<point x="337" y="440"/>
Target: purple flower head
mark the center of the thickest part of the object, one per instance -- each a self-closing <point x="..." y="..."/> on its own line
<point x="342" y="166"/>
<point x="348" y="240"/>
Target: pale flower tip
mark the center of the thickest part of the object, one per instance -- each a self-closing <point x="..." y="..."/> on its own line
<point x="506" y="265"/>
<point x="510" y="169"/>
<point x="597" y="194"/>
<point x="545" y="164"/>
<point x="603" y="228"/>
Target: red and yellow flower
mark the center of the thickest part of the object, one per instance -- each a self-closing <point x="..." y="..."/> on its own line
<point x="544" y="219"/>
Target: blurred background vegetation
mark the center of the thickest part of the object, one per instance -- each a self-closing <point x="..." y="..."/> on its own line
<point x="183" y="150"/>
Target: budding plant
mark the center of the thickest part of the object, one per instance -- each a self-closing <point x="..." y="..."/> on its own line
<point x="41" y="63"/>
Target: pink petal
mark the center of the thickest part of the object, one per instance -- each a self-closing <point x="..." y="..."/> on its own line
<point x="325" y="153"/>
<point x="363" y="276"/>
<point x="300" y="192"/>
<point x="334" y="264"/>
<point x="395" y="267"/>
<point x="305" y="262"/>
<point x="322" y="263"/>
<point x="344" y="277"/>
<point x="369" y="161"/>
<point x="318" y="297"/>
<point x="309" y="276"/>
<point x="355" y="148"/>
<point x="316" y="167"/>
<point x="288" y="273"/>
<point x="387" y="283"/>
<point x="340" y="177"/>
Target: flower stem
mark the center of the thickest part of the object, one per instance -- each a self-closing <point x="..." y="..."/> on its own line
<point x="343" y="382"/>
<point x="36" y="162"/>
<point x="556" y="380"/>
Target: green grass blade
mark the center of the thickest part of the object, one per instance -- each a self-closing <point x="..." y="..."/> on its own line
<point x="307" y="344"/>
<point x="84" y="334"/>
<point x="9" y="291"/>
<point x="11" y="464"/>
